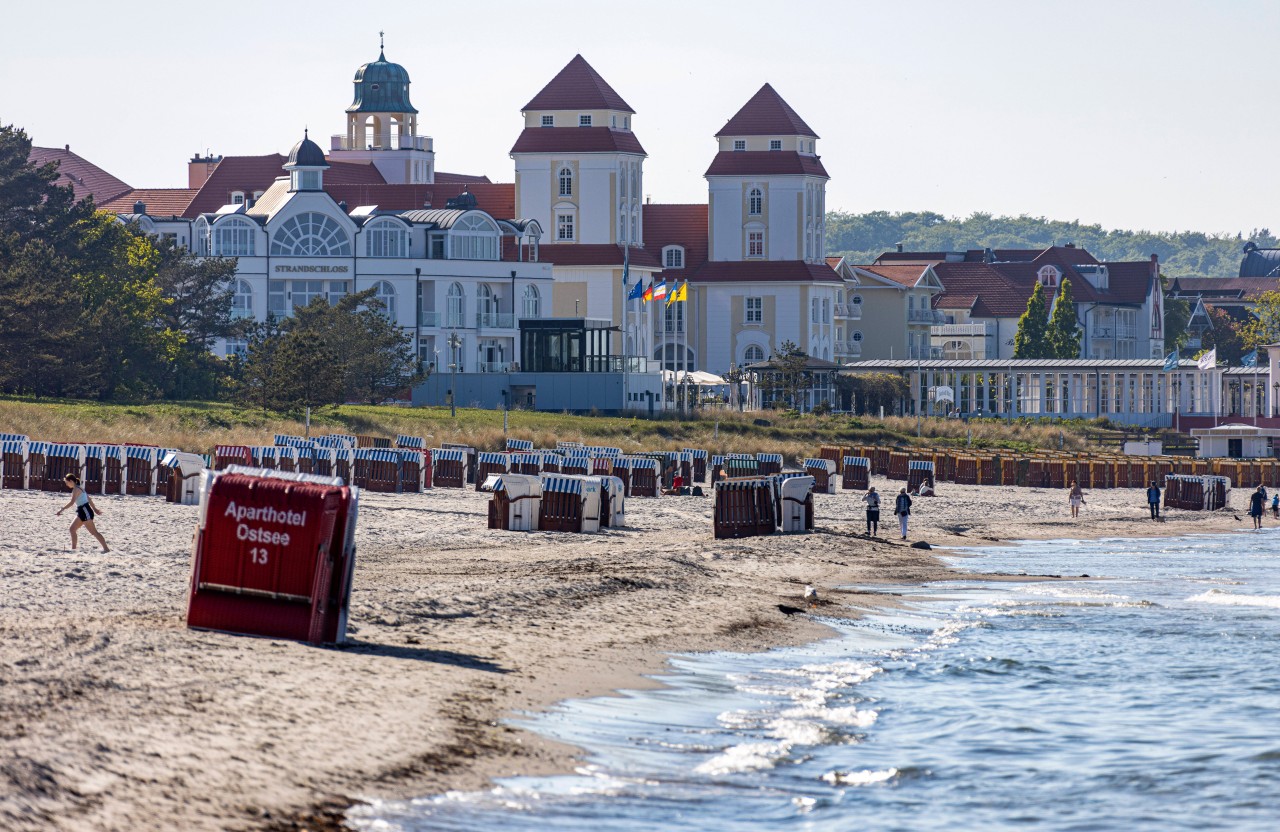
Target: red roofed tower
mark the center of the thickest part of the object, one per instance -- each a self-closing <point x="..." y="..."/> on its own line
<point x="580" y="173"/>
<point x="767" y="185"/>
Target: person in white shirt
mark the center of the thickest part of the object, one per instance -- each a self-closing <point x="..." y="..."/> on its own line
<point x="872" y="499"/>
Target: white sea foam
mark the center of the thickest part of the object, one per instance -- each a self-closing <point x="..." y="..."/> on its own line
<point x="1231" y="599"/>
<point x="750" y="756"/>
<point x="866" y="777"/>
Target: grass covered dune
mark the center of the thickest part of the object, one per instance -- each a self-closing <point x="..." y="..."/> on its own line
<point x="198" y="426"/>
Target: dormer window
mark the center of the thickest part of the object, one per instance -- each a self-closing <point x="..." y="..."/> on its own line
<point x="775" y="144"/>
<point x="584" y="121"/>
<point x="548" y="121"/>
<point x="1048" y="276"/>
<point x="673" y="257"/>
<point x="237" y="197"/>
<point x="739" y="144"/>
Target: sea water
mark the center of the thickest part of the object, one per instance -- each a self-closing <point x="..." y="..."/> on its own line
<point x="1145" y="697"/>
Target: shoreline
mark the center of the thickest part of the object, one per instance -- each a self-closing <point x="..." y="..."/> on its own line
<point x="126" y="719"/>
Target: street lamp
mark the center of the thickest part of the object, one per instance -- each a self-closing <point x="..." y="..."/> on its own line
<point x="454" y="343"/>
<point x="505" y="411"/>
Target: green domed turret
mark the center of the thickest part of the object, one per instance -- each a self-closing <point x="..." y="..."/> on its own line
<point x="381" y="87"/>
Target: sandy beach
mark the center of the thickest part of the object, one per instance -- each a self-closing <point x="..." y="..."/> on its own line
<point x="115" y="716"/>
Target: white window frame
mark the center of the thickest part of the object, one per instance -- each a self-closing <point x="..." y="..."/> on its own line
<point x="475" y="237"/>
<point x="584" y="120"/>
<point x="564" y="178"/>
<point x="242" y="300"/>
<point x="386" y="293"/>
<point x="673" y="257"/>
<point x="531" y="303"/>
<point x="548" y="121"/>
<point x="234" y="238"/>
<point x="455" y="306"/>
<point x="753" y="308"/>
<point x="386" y="239"/>
<point x="303" y="236"/>
<point x="775" y="144"/>
<point x="739" y="144"/>
<point x="565" y="230"/>
<point x="755" y="245"/>
<point x="237" y="197"/>
<point x="755" y="202"/>
<point x="748" y="358"/>
<point x="1048" y="276"/>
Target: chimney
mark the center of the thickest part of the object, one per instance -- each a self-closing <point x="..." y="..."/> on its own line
<point x="68" y="148"/>
<point x="200" y="168"/>
<point x="988" y="256"/>
<point x="899" y="248"/>
<point x="1155" y="265"/>
<point x="139" y="207"/>
<point x="1070" y="245"/>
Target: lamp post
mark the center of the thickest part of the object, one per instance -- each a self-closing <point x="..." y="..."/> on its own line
<point x="505" y="410"/>
<point x="435" y="369"/>
<point x="454" y="343"/>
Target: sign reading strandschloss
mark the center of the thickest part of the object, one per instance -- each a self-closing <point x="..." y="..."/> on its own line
<point x="311" y="267"/>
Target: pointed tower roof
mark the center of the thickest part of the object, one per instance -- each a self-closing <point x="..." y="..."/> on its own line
<point x="578" y="87"/>
<point x="766" y="114"/>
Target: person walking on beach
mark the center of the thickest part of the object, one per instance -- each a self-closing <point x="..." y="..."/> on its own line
<point x="1153" y="500"/>
<point x="1257" y="502"/>
<point x="872" y="499"/>
<point x="85" y="512"/>
<point x="1076" y="499"/>
<point x="902" y="508"/>
<point x="1275" y="505"/>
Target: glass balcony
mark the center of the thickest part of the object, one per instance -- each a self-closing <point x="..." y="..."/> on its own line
<point x="925" y="316"/>
<point x="428" y="319"/>
<point x="498" y="320"/>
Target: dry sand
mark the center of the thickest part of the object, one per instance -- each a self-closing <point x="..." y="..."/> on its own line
<point x="114" y="716"/>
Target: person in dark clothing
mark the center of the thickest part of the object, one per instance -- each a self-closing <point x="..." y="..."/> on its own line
<point x="902" y="508"/>
<point x="1153" y="501"/>
<point x="1257" y="503"/>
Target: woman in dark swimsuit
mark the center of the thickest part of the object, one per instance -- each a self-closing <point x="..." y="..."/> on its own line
<point x="85" y="512"/>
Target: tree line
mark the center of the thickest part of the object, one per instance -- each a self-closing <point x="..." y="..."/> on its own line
<point x="864" y="237"/>
<point x="91" y="307"/>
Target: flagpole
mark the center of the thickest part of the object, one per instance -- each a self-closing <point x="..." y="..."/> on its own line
<point x="626" y="303"/>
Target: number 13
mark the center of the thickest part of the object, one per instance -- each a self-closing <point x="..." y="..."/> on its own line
<point x="259" y="555"/>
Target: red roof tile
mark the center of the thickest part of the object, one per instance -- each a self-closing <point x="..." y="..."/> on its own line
<point x="443" y="178"/>
<point x="84" y="177"/>
<point x="906" y="274"/>
<point x="578" y="87"/>
<point x="766" y="114"/>
<point x="765" y="163"/>
<point x="562" y="254"/>
<point x="160" y="202"/>
<point x="256" y="173"/>
<point x="677" y="225"/>
<point x="1001" y="289"/>
<point x="774" y="271"/>
<point x="924" y="258"/>
<point x="577" y="140"/>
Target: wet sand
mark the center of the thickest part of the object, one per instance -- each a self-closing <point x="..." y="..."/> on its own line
<point x="114" y="716"/>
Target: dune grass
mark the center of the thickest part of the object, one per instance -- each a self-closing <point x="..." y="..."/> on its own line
<point x="198" y="426"/>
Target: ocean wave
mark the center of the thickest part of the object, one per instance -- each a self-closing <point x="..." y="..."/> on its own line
<point x="1231" y="599"/>
<point x="866" y="777"/>
<point x="750" y="756"/>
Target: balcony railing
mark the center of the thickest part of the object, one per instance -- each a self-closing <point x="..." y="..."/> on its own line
<point x="925" y="316"/>
<point x="923" y="353"/>
<point x="961" y="330"/>
<point x="499" y="320"/>
<point x="384" y="143"/>
<point x="492" y="367"/>
<point x="849" y="311"/>
<point x="1106" y="333"/>
<point x="848" y="349"/>
<point x="428" y="319"/>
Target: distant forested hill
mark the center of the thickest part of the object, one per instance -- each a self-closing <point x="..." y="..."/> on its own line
<point x="1184" y="253"/>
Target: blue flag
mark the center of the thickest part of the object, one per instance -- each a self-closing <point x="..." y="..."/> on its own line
<point x="638" y="292"/>
<point x="1171" y="362"/>
<point x="1250" y="360"/>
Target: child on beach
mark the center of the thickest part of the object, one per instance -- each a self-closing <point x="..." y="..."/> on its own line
<point x="1076" y="499"/>
<point x="902" y="508"/>
<point x="872" y="499"/>
<point x="85" y="511"/>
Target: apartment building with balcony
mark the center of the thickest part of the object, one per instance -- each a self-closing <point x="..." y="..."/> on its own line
<point x="1119" y="306"/>
<point x="890" y="310"/>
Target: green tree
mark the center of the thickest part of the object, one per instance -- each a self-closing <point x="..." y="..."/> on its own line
<point x="377" y="357"/>
<point x="1225" y="336"/>
<point x="1177" y="314"/>
<point x="199" y="292"/>
<point x="1031" y="340"/>
<point x="1264" y="326"/>
<point x="866" y="393"/>
<point x="1064" y="332"/>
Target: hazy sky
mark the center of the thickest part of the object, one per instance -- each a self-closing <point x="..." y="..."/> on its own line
<point x="1156" y="115"/>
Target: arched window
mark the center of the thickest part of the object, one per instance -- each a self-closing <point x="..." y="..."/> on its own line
<point x="566" y="181"/>
<point x="242" y="300"/>
<point x="755" y="202"/>
<point x="532" y="307"/>
<point x="675" y="357"/>
<point x="200" y="237"/>
<point x="386" y="239"/>
<point x="387" y="294"/>
<point x="1048" y="276"/>
<point x="311" y="235"/>
<point x="753" y="355"/>
<point x="455" y="305"/>
<point x="474" y="237"/>
<point x="233" y="238"/>
<point x="673" y="257"/>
